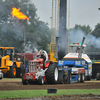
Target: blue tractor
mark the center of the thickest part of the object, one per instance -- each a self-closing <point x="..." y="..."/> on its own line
<point x="74" y="67"/>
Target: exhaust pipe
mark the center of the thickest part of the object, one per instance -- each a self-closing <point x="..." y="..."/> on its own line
<point x="56" y="48"/>
<point x="81" y="49"/>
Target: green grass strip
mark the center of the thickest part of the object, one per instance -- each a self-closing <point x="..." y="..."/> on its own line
<point x="38" y="93"/>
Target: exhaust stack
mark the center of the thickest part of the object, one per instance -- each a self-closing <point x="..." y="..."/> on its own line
<point x="81" y="49"/>
<point x="56" y="48"/>
<point x="62" y="42"/>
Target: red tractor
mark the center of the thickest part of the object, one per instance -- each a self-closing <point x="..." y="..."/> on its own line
<point x="36" y="69"/>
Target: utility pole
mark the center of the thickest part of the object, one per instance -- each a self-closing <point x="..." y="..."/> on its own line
<point x="68" y="25"/>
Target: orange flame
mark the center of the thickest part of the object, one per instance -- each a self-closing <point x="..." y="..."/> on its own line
<point x="15" y="13"/>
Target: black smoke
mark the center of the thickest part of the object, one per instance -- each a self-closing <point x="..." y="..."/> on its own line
<point x="62" y="42"/>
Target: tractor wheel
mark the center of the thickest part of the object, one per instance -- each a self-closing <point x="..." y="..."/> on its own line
<point x="82" y="78"/>
<point x="12" y="72"/>
<point x="69" y="77"/>
<point x="79" y="78"/>
<point x="0" y="78"/>
<point x="52" y="74"/>
<point x="87" y="78"/>
<point x="30" y="82"/>
<point x="25" y="82"/>
<point x="98" y="76"/>
<point x="40" y="80"/>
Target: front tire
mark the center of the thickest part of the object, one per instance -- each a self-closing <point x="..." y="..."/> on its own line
<point x="40" y="80"/>
<point x="52" y="74"/>
<point x="69" y="77"/>
<point x="25" y="82"/>
<point x="79" y="78"/>
<point x="82" y="78"/>
<point x="0" y="78"/>
<point x="12" y="72"/>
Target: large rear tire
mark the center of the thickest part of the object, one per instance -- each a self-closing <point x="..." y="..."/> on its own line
<point x="52" y="74"/>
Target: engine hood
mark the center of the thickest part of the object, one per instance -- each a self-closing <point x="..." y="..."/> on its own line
<point x="35" y="60"/>
<point x="73" y="56"/>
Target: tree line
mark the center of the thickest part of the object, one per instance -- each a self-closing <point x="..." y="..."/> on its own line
<point x="14" y="32"/>
<point x="33" y="34"/>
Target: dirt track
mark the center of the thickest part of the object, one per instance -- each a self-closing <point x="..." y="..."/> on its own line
<point x="16" y="84"/>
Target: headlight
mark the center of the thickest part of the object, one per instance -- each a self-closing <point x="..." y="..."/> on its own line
<point x="90" y="65"/>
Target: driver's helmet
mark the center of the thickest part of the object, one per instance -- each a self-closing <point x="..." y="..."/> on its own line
<point x="78" y="48"/>
<point x="42" y="53"/>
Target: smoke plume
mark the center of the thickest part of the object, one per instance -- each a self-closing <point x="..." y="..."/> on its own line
<point x="90" y="40"/>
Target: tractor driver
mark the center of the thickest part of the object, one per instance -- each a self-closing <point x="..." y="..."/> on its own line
<point x="77" y="50"/>
<point x="37" y="58"/>
<point x="44" y="58"/>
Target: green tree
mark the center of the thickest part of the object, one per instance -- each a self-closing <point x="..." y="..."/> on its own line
<point x="43" y="40"/>
<point x="13" y="30"/>
<point x="86" y="29"/>
<point x="96" y="31"/>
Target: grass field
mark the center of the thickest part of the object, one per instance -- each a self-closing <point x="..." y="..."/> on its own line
<point x="38" y="93"/>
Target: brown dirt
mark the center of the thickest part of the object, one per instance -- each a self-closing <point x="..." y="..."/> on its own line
<point x="16" y="84"/>
<point x="70" y="97"/>
<point x="63" y="97"/>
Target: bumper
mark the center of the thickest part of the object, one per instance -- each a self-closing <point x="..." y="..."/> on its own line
<point x="35" y="76"/>
<point x="29" y="76"/>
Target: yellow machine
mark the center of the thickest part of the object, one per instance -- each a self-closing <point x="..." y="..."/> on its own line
<point x="10" y="64"/>
<point x="52" y="52"/>
<point x="54" y="30"/>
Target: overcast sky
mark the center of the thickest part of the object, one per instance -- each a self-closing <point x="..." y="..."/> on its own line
<point x="82" y="12"/>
